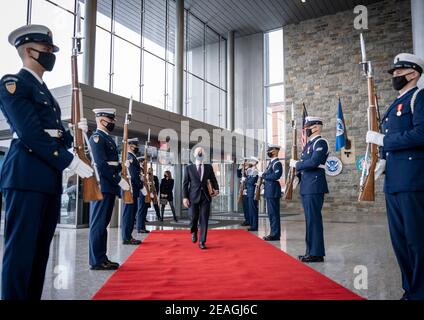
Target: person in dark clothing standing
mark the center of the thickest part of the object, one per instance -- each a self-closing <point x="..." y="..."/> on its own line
<point x="166" y="194"/>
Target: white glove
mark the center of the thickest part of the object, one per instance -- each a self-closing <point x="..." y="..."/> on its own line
<point x="80" y="168"/>
<point x="375" y="138"/>
<point x="243" y="179"/>
<point x="83" y="125"/>
<point x="293" y="163"/>
<point x="124" y="185"/>
<point x="127" y="163"/>
<point x="260" y="174"/>
<point x="144" y="191"/>
<point x="380" y="168"/>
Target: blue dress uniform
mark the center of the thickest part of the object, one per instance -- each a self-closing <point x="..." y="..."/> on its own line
<point x="313" y="186"/>
<point x="105" y="155"/>
<point x="403" y="126"/>
<point x="245" y="200"/>
<point x="130" y="210"/>
<point x="251" y="180"/>
<point x="31" y="177"/>
<point x="272" y="194"/>
<point x="142" y="207"/>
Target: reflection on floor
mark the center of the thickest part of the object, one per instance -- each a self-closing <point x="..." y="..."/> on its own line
<point x="351" y="242"/>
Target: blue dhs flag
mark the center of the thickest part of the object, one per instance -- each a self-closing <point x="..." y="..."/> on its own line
<point x="341" y="129"/>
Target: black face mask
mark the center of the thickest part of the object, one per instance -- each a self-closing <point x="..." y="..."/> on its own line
<point x="109" y="126"/>
<point x="309" y="132"/>
<point x="136" y="150"/>
<point x="45" y="59"/>
<point x="400" y="82"/>
<point x="270" y="154"/>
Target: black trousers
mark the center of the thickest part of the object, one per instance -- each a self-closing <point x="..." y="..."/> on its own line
<point x="171" y="204"/>
<point x="200" y="211"/>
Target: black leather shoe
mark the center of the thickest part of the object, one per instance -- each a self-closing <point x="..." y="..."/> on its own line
<point x="251" y="229"/>
<point x="194" y="237"/>
<point x="146" y="220"/>
<point x="175" y="220"/>
<point x="245" y="224"/>
<point x="116" y="264"/>
<point x="202" y="245"/>
<point x="132" y="242"/>
<point x="143" y="231"/>
<point x="271" y="238"/>
<point x="105" y="266"/>
<point x="311" y="259"/>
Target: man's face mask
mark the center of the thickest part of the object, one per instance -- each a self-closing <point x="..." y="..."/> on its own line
<point x="199" y="156"/>
<point x="400" y="82"/>
<point x="45" y="59"/>
<point x="270" y="153"/>
<point x="109" y="125"/>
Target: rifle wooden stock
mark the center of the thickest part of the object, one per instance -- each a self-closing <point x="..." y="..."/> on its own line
<point x="153" y="187"/>
<point x="288" y="193"/>
<point x="127" y="196"/>
<point x="91" y="188"/>
<point x="367" y="188"/>
<point x="258" y="189"/>
<point x="147" y="198"/>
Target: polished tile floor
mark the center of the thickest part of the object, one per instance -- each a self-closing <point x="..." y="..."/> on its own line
<point x="356" y="246"/>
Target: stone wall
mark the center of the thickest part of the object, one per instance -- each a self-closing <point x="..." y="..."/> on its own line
<point x="321" y="62"/>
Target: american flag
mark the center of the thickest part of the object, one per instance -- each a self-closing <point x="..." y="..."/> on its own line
<point x="304" y="137"/>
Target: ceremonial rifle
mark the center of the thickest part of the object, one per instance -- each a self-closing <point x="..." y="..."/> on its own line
<point x="147" y="198"/>
<point x="91" y="185"/>
<point x="367" y="182"/>
<point x="288" y="193"/>
<point x="242" y="183"/>
<point x="260" y="180"/>
<point x="125" y="174"/>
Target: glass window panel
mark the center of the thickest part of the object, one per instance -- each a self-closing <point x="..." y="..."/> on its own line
<point x="154" y="27"/>
<point x="170" y="88"/>
<point x="154" y="81"/>
<point x="126" y="66"/>
<point x="275" y="94"/>
<point x="212" y="105"/>
<point x="12" y="16"/>
<point x="67" y="4"/>
<point x="195" y="53"/>
<point x="128" y="20"/>
<point x="104" y="11"/>
<point x="275" y="72"/>
<point x="223" y="64"/>
<point x="212" y="56"/>
<point x="61" y="23"/>
<point x="69" y="198"/>
<point x="195" y="104"/>
<point x="102" y="68"/>
<point x="223" y="120"/>
<point x="171" y="30"/>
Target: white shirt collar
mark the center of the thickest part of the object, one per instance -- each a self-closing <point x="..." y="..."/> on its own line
<point x="107" y="133"/>
<point x="198" y="162"/>
<point x="36" y="76"/>
<point x="406" y="92"/>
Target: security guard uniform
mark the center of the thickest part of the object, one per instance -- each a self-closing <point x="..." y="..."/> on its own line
<point x="31" y="176"/>
<point x="313" y="186"/>
<point x="105" y="155"/>
<point x="251" y="181"/>
<point x="403" y="150"/>
<point x="272" y="194"/>
<point x="130" y="210"/>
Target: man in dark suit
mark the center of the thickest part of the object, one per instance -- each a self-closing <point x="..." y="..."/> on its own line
<point x="196" y="194"/>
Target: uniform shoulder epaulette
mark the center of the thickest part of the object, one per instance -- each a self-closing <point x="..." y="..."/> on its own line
<point x="9" y="82"/>
<point x="414" y="97"/>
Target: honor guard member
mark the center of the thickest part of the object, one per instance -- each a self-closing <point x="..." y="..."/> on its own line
<point x="402" y="143"/>
<point x="31" y="176"/>
<point x="245" y="200"/>
<point x="251" y="181"/>
<point x="130" y="210"/>
<point x="313" y="186"/>
<point x="272" y="192"/>
<point x="143" y="207"/>
<point x="105" y="155"/>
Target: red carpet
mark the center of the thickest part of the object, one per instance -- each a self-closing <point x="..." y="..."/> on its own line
<point x="236" y="266"/>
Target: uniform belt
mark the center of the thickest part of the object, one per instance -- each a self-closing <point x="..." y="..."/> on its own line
<point x="54" y="133"/>
<point x="113" y="163"/>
